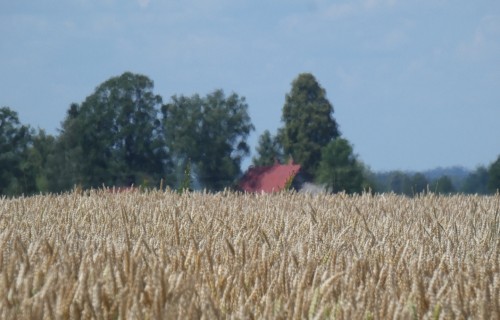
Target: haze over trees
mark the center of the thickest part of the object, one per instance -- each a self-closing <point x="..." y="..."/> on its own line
<point x="124" y="134"/>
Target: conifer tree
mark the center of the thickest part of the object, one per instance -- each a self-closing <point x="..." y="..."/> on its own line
<point x="308" y="123"/>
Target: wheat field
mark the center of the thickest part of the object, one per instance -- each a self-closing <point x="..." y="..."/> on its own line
<point x="165" y="255"/>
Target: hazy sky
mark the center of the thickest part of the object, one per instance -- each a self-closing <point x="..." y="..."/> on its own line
<point x="415" y="84"/>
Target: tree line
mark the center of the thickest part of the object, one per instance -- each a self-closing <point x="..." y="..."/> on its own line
<point x="483" y="180"/>
<point x="124" y="134"/>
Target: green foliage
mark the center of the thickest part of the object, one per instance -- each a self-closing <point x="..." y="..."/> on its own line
<point x="419" y="183"/>
<point x="65" y="166"/>
<point x="289" y="183"/>
<point x="443" y="185"/>
<point x="411" y="184"/>
<point x="39" y="160"/>
<point x="407" y="184"/>
<point x="186" y="184"/>
<point x="339" y="169"/>
<point x="477" y="181"/>
<point x="15" y="140"/>
<point x="369" y="179"/>
<point x="308" y="123"/>
<point x="211" y="132"/>
<point x="268" y="150"/>
<point x="494" y="176"/>
<point x="114" y="137"/>
<point x="117" y="136"/>
<point x="400" y="183"/>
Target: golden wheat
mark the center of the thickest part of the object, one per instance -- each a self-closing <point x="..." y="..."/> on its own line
<point x="159" y="255"/>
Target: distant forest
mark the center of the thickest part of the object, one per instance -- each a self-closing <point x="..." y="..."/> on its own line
<point x="123" y="134"/>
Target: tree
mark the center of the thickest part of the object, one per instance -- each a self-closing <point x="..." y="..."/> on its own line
<point x="339" y="169"/>
<point x="494" y="176"/>
<point x="40" y="155"/>
<point x="15" y="139"/>
<point x="211" y="133"/>
<point x="419" y="183"/>
<point x="65" y="167"/>
<point x="114" y="137"/>
<point x="400" y="183"/>
<point x="443" y="185"/>
<point x="477" y="181"/>
<point x="268" y="150"/>
<point x="308" y="123"/>
<point x="369" y="179"/>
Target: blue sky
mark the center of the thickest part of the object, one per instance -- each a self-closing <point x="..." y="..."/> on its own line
<point x="415" y="84"/>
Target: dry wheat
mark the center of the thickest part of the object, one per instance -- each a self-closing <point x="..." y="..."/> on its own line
<point x="151" y="255"/>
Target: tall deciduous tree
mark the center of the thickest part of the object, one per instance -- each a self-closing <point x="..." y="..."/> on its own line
<point x="15" y="139"/>
<point x="65" y="167"/>
<point x="211" y="133"/>
<point x="114" y="137"/>
<point x="40" y="156"/>
<point x="268" y="150"/>
<point x="339" y="169"/>
<point x="308" y="123"/>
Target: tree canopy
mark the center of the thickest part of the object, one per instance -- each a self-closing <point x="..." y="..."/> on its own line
<point x="123" y="134"/>
<point x="210" y="132"/>
<point x="308" y="123"/>
<point x="494" y="176"/>
<point x="477" y="181"/>
<point x="114" y="137"/>
<point x="443" y="185"/>
<point x="339" y="169"/>
<point x="15" y="139"/>
<point x="268" y="150"/>
<point x="419" y="183"/>
<point x="40" y="161"/>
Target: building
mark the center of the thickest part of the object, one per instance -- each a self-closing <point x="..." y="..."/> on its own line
<point x="269" y="179"/>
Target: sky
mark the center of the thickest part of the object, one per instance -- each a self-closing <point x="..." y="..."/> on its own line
<point x="415" y="84"/>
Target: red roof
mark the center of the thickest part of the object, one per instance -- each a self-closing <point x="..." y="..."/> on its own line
<point x="268" y="179"/>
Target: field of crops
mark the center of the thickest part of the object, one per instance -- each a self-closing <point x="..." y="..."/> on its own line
<point x="163" y="255"/>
